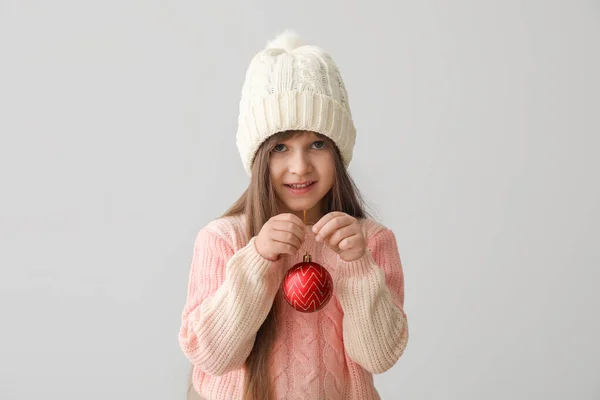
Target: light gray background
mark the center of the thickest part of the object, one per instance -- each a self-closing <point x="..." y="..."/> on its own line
<point x="477" y="144"/>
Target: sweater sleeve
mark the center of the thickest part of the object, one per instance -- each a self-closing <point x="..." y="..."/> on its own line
<point x="229" y="297"/>
<point x="371" y="294"/>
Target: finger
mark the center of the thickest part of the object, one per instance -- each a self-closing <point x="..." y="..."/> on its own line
<point x="284" y="248"/>
<point x="286" y="226"/>
<point x="289" y="217"/>
<point x="325" y="219"/>
<point x="333" y="225"/>
<point x="286" y="237"/>
<point x="350" y="242"/>
<point x="341" y="234"/>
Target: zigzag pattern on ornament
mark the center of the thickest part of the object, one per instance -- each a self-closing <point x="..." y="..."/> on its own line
<point x="309" y="289"/>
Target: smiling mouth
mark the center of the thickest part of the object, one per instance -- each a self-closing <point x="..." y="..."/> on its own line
<point x="300" y="185"/>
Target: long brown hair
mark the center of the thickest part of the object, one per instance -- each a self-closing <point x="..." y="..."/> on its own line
<point x="258" y="203"/>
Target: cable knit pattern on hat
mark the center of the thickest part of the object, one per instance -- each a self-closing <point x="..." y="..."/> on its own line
<point x="329" y="354"/>
<point x="291" y="86"/>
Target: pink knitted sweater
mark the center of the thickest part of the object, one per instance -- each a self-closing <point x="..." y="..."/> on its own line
<point x="329" y="354"/>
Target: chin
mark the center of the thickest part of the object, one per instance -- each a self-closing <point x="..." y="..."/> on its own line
<point x="301" y="205"/>
<point x="297" y="206"/>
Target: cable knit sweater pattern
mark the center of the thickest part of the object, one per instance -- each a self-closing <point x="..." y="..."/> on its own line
<point x="329" y="354"/>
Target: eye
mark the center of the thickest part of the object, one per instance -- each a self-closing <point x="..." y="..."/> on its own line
<point x="319" y="144"/>
<point x="279" y="147"/>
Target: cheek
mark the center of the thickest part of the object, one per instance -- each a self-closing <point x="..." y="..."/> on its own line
<point x="327" y="169"/>
<point x="330" y="179"/>
<point x="275" y="174"/>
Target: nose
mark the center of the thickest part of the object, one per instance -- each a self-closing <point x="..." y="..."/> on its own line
<point x="300" y="163"/>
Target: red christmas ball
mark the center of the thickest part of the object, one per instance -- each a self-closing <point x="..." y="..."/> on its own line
<point x="307" y="286"/>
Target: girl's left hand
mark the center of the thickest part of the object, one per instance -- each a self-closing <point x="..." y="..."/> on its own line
<point x="342" y="233"/>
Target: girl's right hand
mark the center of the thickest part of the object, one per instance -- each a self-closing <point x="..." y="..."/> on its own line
<point x="282" y="234"/>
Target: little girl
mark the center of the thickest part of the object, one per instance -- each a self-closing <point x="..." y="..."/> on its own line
<point x="295" y="137"/>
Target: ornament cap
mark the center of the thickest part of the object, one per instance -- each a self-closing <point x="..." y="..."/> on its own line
<point x="306" y="258"/>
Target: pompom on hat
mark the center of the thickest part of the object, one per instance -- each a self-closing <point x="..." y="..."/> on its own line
<point x="292" y="86"/>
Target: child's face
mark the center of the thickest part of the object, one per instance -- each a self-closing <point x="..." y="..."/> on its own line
<point x="304" y="158"/>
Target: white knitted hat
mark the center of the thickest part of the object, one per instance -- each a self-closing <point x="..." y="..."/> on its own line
<point x="290" y="86"/>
